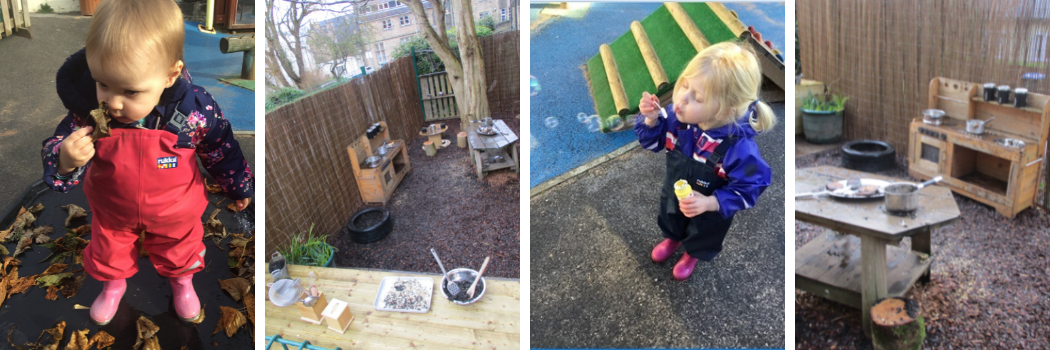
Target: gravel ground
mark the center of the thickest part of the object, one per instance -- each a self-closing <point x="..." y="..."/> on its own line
<point x="441" y="204"/>
<point x="989" y="284"/>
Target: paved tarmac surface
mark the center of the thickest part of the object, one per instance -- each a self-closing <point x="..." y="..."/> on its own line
<point x="29" y="106"/>
<point x="594" y="285"/>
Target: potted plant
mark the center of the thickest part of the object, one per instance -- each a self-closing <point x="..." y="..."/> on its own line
<point x="822" y="117"/>
<point x="310" y="251"/>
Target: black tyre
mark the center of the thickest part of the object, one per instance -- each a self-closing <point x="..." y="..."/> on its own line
<point x="868" y="155"/>
<point x="374" y="233"/>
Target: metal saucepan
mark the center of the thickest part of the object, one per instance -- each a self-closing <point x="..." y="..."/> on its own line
<point x="975" y="126"/>
<point x="932" y="116"/>
<point x="902" y="198"/>
<point x="373" y="161"/>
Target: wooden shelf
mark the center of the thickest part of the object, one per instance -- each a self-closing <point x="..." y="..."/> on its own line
<point x="831" y="268"/>
<point x="1028" y="109"/>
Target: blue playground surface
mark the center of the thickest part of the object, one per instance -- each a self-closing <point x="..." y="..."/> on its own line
<point x="559" y="50"/>
<point x="207" y="65"/>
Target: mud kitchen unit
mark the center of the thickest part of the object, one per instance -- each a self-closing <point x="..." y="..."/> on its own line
<point x="991" y="168"/>
<point x="378" y="174"/>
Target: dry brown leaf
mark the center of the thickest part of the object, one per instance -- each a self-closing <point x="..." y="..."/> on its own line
<point x="213" y="188"/>
<point x="82" y="230"/>
<point x="230" y="321"/>
<point x="72" y="286"/>
<point x="4" y="251"/>
<point x="233" y="207"/>
<point x="56" y="336"/>
<point x="36" y="209"/>
<point x="54" y="268"/>
<point x="142" y="250"/>
<point x="214" y="229"/>
<point x="8" y="262"/>
<point x="236" y="287"/>
<point x="22" y="285"/>
<point x="5" y="285"/>
<point x="52" y="293"/>
<point x="102" y="340"/>
<point x="31" y="235"/>
<point x="20" y="222"/>
<point x="147" y="331"/>
<point x="75" y="212"/>
<point x="101" y="118"/>
<point x="249" y="306"/>
<point x="78" y="340"/>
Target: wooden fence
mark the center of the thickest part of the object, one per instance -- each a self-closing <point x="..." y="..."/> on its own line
<point x="883" y="54"/>
<point x="309" y="178"/>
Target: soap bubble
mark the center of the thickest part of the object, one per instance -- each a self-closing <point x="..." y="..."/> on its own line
<point x="581" y="117"/>
<point x="551" y="122"/>
<point x="593" y="123"/>
<point x="614" y="123"/>
<point x="534" y="86"/>
<point x="534" y="143"/>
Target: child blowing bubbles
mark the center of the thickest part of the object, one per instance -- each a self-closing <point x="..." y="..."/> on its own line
<point x="144" y="176"/>
<point x="708" y="134"/>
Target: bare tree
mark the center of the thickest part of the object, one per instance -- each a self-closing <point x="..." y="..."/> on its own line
<point x="466" y="72"/>
<point x="339" y="39"/>
<point x="285" y="33"/>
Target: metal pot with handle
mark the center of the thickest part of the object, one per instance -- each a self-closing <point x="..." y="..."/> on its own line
<point x="975" y="126"/>
<point x="902" y="197"/>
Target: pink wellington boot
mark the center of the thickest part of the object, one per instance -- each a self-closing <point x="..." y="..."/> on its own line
<point x="664" y="250"/>
<point x="187" y="305"/>
<point x="105" y="305"/>
<point x="684" y="267"/>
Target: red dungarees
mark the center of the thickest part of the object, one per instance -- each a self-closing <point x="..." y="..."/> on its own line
<point x="139" y="181"/>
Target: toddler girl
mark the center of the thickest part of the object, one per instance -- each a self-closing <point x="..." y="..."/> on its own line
<point x="144" y="175"/>
<point x="708" y="133"/>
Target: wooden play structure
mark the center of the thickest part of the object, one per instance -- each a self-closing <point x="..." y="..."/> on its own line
<point x="977" y="166"/>
<point x="651" y="56"/>
<point x="377" y="183"/>
<point x="15" y="17"/>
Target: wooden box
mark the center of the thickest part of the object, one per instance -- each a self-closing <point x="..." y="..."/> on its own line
<point x="378" y="184"/>
<point x="338" y="315"/>
<point x="312" y="313"/>
<point x="976" y="166"/>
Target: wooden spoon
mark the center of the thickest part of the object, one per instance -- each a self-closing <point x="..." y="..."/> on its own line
<point x="474" y="285"/>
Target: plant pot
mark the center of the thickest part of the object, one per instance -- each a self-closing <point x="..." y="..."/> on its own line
<point x="822" y="126"/>
<point x="331" y="258"/>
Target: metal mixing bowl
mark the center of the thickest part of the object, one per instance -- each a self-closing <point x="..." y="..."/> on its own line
<point x="459" y="275"/>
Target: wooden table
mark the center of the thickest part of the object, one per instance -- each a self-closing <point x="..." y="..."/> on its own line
<point x="858" y="271"/>
<point x="491" y="323"/>
<point x="434" y="136"/>
<point x="484" y="148"/>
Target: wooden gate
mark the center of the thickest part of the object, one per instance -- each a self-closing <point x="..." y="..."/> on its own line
<point x="438" y="100"/>
<point x="15" y="16"/>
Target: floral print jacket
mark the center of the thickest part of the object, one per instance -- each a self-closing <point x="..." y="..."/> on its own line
<point x="209" y="133"/>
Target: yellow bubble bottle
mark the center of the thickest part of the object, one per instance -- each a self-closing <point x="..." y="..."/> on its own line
<point x="682" y="189"/>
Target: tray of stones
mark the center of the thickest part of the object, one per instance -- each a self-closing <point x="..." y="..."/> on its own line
<point x="405" y="294"/>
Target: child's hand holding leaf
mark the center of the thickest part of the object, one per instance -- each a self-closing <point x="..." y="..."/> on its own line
<point x="76" y="150"/>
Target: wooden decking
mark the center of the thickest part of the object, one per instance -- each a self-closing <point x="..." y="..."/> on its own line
<point x="491" y="323"/>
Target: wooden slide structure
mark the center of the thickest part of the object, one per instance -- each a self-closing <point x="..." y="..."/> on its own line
<point x="651" y="56"/>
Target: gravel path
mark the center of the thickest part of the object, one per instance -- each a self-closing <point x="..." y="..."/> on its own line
<point x="441" y="204"/>
<point x="989" y="284"/>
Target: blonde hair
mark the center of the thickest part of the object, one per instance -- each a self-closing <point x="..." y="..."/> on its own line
<point x="123" y="31"/>
<point x="730" y="75"/>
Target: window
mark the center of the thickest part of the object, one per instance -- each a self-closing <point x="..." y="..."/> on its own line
<point x="382" y="6"/>
<point x="388" y="24"/>
<point x="483" y="14"/>
<point x="380" y="53"/>
<point x="405" y="21"/>
<point x="1038" y="48"/>
<point x="403" y="40"/>
<point x="502" y="15"/>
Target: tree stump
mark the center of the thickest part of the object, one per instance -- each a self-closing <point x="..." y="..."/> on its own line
<point x="461" y="139"/>
<point x="429" y="148"/>
<point x="897" y="324"/>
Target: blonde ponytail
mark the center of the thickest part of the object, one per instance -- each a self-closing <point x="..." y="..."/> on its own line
<point x="764" y="118"/>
